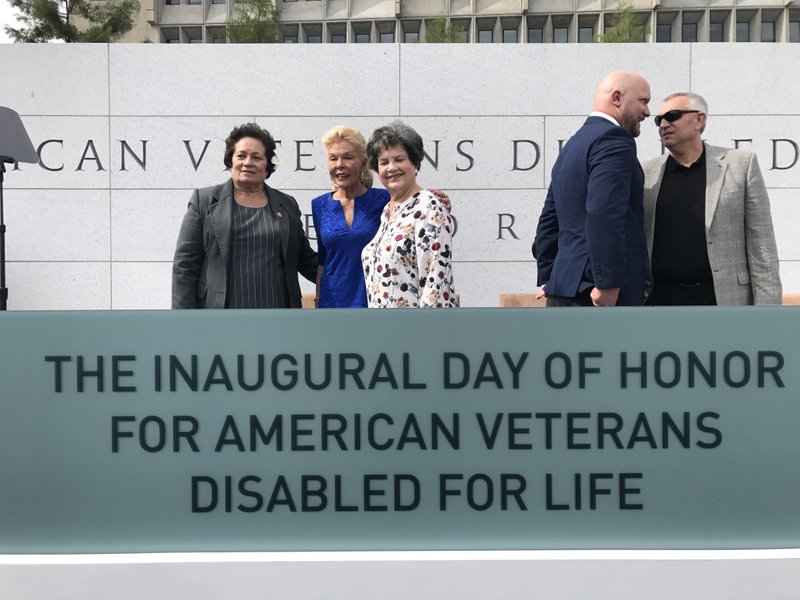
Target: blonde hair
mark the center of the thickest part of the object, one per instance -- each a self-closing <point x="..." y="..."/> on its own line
<point x="340" y="133"/>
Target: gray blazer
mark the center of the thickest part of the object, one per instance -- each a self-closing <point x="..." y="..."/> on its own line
<point x="739" y="235"/>
<point x="200" y="266"/>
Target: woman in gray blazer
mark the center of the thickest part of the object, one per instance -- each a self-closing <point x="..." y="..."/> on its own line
<point x="242" y="243"/>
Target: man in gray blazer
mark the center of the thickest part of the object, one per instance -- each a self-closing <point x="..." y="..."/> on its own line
<point x="707" y="220"/>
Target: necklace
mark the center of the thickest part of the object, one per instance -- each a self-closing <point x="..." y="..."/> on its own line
<point x="250" y="199"/>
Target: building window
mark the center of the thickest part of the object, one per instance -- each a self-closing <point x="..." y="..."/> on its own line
<point x="386" y="31"/>
<point x="217" y="1"/>
<point x="485" y="36"/>
<point x="193" y="35"/>
<point x="460" y="30"/>
<point x="561" y="25"/>
<point x="689" y="32"/>
<point x="587" y="25"/>
<point x="510" y="26"/>
<point x="536" y="26"/>
<point x="716" y="32"/>
<point x="290" y="39"/>
<point x="411" y="31"/>
<point x="767" y="31"/>
<point x="194" y="1"/>
<point x="664" y="32"/>
<point x="172" y="2"/>
<point x="794" y="31"/>
<point x="312" y="33"/>
<point x="535" y="35"/>
<point x="361" y="32"/>
<point x="337" y="33"/>
<point x="215" y="35"/>
<point x="743" y="31"/>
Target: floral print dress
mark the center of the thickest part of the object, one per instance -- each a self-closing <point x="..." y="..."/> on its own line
<point x="409" y="261"/>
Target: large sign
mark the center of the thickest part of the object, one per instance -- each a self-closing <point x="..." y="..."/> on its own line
<point x="94" y="224"/>
<point x="356" y="430"/>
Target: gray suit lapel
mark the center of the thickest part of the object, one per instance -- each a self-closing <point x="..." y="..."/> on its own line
<point x="653" y="175"/>
<point x="716" y="165"/>
<point x="220" y="212"/>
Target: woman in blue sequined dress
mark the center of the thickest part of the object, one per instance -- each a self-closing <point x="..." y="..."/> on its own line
<point x="346" y="220"/>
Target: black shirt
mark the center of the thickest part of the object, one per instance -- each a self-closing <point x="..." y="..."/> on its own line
<point x="680" y="256"/>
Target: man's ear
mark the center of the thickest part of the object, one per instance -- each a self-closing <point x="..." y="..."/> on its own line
<point x="700" y="123"/>
<point x="616" y="97"/>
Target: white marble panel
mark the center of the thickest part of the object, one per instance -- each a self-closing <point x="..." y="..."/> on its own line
<point x="58" y="285"/>
<point x="145" y="223"/>
<point x="169" y="152"/>
<point x="480" y="283"/>
<point x="73" y="153"/>
<point x="55" y="79"/>
<point x="265" y="79"/>
<point x="488" y="222"/>
<point x="141" y="285"/>
<point x="747" y="79"/>
<point x="79" y="206"/>
<point x="481" y="152"/>
<point x="527" y="79"/>
<point x="776" y="141"/>
<point x="62" y="225"/>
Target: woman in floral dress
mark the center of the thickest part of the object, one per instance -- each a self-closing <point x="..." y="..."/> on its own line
<point x="409" y="261"/>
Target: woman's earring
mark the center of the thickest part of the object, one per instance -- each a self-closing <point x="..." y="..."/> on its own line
<point x="364" y="177"/>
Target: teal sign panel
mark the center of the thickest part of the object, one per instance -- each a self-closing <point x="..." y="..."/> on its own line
<point x="368" y="429"/>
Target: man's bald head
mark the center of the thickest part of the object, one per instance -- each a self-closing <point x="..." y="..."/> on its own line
<point x="624" y="95"/>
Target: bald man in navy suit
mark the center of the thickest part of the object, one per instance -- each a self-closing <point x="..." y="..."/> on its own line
<point x="589" y="246"/>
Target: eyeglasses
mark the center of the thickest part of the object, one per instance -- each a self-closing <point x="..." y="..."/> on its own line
<point x="671" y="116"/>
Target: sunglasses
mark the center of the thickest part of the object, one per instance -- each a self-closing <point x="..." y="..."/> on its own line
<point x="671" y="116"/>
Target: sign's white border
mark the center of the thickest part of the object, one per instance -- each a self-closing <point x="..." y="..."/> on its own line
<point x="467" y="575"/>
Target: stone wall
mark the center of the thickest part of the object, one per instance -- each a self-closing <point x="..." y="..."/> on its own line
<point x="125" y="132"/>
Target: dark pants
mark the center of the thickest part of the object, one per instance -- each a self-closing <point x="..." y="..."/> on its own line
<point x="683" y="294"/>
<point x="582" y="299"/>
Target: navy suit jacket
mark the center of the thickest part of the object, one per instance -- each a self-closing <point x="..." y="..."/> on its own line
<point x="591" y="230"/>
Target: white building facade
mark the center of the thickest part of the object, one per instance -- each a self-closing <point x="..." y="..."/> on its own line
<point x="481" y="21"/>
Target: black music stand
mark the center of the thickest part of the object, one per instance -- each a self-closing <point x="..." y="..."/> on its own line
<point x="15" y="146"/>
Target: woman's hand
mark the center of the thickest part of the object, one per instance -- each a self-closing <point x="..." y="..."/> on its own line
<point x="443" y="198"/>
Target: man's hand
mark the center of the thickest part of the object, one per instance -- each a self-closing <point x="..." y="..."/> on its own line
<point x="607" y="297"/>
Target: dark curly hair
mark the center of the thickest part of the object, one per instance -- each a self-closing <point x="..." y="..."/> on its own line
<point x="395" y="133"/>
<point x="254" y="131"/>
